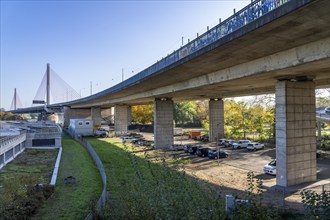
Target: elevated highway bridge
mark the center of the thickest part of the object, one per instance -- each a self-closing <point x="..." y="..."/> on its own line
<point x="270" y="46"/>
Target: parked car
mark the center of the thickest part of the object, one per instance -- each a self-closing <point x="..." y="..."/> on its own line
<point x="127" y="139"/>
<point x="221" y="142"/>
<point x="186" y="147"/>
<point x="255" y="146"/>
<point x="192" y="150"/>
<point x="205" y="138"/>
<point x="229" y="142"/>
<point x="241" y="144"/>
<point x="270" y="168"/>
<point x="327" y="110"/>
<point x="135" y="141"/>
<point x="202" y="151"/>
<point x="213" y="154"/>
<point x="101" y="132"/>
<point x="176" y="147"/>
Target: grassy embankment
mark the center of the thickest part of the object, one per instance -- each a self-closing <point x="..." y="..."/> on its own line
<point x="38" y="164"/>
<point x="73" y="200"/>
<point x="142" y="186"/>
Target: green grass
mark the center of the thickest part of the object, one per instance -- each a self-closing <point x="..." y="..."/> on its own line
<point x="75" y="200"/>
<point x="141" y="188"/>
<point x="36" y="163"/>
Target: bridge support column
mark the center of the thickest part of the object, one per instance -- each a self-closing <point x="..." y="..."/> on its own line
<point x="216" y="119"/>
<point x="129" y="115"/>
<point x="163" y="123"/>
<point x="319" y="133"/>
<point x="70" y="113"/>
<point x="295" y="132"/>
<point x="121" y="121"/>
<point x="96" y="116"/>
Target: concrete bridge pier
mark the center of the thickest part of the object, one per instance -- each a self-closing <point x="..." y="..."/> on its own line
<point x="163" y="123"/>
<point x="319" y="133"/>
<point x="295" y="132"/>
<point x="216" y="119"/>
<point x="70" y="113"/>
<point x="96" y="116"/>
<point x="121" y="119"/>
<point x="129" y="115"/>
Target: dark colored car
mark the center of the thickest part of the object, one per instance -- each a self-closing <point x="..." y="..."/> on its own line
<point x="192" y="150"/>
<point x="204" y="138"/>
<point x="202" y="151"/>
<point x="213" y="154"/>
<point x="186" y="148"/>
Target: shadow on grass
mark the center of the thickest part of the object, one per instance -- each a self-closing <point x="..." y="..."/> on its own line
<point x="143" y="185"/>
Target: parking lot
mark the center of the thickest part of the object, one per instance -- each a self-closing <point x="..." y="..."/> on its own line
<point x="231" y="172"/>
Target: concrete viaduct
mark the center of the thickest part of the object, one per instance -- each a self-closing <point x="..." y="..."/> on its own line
<point x="285" y="51"/>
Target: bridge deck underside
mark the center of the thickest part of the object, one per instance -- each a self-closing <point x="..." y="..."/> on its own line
<point x="254" y="41"/>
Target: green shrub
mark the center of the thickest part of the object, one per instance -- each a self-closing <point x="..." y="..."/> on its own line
<point x="20" y="197"/>
<point x="151" y="188"/>
<point x="317" y="205"/>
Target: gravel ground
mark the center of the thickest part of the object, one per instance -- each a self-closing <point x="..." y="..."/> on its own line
<point x="231" y="173"/>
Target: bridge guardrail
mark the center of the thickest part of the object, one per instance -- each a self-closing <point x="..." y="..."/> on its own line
<point x="251" y="12"/>
<point x="6" y="140"/>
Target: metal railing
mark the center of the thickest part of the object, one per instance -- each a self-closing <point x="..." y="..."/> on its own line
<point x="241" y="18"/>
<point x="101" y="201"/>
<point x="7" y="140"/>
<point x="251" y="12"/>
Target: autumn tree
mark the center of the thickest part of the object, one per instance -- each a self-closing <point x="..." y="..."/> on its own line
<point x="143" y="114"/>
<point x="202" y="110"/>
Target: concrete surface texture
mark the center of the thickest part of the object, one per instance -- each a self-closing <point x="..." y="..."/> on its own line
<point x="295" y="132"/>
<point x="216" y="118"/>
<point x="163" y="123"/>
<point x="121" y="119"/>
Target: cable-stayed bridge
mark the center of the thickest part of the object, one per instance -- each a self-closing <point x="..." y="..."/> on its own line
<point x="52" y="89"/>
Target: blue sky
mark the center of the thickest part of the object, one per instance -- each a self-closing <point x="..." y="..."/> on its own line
<point x="93" y="40"/>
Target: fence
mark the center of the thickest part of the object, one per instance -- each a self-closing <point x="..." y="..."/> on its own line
<point x="100" y="167"/>
<point x="100" y="203"/>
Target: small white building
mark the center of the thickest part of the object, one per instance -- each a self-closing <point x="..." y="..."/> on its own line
<point x="81" y="126"/>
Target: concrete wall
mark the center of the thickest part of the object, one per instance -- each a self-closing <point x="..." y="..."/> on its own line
<point x="70" y="113"/>
<point x="96" y="116"/>
<point x="295" y="133"/>
<point x="129" y="115"/>
<point x="163" y="123"/>
<point x="216" y="119"/>
<point x="11" y="148"/>
<point x="121" y="120"/>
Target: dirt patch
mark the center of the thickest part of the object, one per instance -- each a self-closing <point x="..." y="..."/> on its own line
<point x="230" y="175"/>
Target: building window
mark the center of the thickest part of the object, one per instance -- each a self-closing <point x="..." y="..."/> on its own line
<point x="80" y="123"/>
